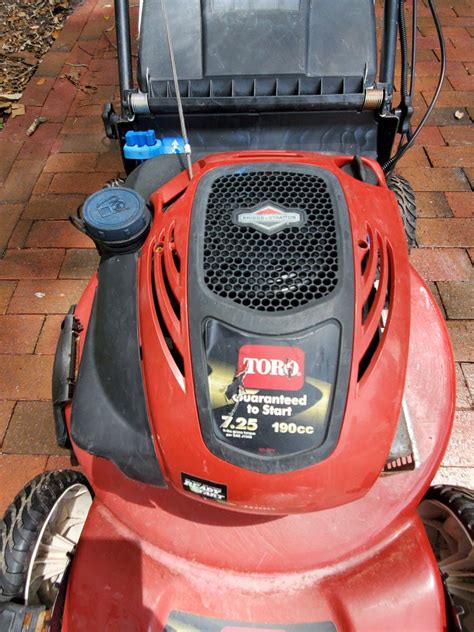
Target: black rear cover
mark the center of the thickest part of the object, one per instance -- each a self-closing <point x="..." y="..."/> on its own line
<point x="234" y="38"/>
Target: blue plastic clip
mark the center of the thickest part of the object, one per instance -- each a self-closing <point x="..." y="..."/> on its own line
<point x="143" y="145"/>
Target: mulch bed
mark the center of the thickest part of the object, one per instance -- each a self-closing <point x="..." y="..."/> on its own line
<point x="27" y="31"/>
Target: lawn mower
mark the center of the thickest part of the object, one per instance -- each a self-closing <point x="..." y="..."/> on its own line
<point x="258" y="386"/>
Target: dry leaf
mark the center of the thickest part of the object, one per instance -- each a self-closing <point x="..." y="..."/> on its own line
<point x="40" y="81"/>
<point x="26" y="57"/>
<point x="11" y="96"/>
<point x="27" y="30"/>
<point x="73" y="77"/>
<point x="18" y="109"/>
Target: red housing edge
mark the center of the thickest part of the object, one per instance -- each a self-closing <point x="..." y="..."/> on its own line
<point x="365" y="565"/>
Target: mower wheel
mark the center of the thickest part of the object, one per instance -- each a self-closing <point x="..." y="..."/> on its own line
<point x="448" y="515"/>
<point x="407" y="205"/>
<point x="38" y="535"/>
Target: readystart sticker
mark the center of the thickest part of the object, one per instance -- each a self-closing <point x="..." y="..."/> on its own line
<point x="273" y="368"/>
<point x="201" y="487"/>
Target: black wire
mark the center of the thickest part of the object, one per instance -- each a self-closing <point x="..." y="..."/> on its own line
<point x="404" y="65"/>
<point x="403" y="48"/>
<point x="413" y="47"/>
<point x="409" y="132"/>
<point x="390" y="164"/>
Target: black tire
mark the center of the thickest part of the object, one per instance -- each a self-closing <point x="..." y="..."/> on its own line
<point x="407" y="205"/>
<point x="22" y="524"/>
<point x="458" y="504"/>
<point x="459" y="499"/>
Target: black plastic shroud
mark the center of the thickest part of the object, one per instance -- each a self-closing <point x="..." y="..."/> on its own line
<point x="109" y="414"/>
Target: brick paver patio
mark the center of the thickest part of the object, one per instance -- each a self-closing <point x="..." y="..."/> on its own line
<point x="45" y="263"/>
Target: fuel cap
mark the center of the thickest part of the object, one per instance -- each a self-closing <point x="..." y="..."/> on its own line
<point x="115" y="214"/>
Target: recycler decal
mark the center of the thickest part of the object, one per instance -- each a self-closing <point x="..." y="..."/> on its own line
<point x="184" y="622"/>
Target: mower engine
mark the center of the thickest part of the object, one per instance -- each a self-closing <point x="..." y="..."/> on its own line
<point x="273" y="296"/>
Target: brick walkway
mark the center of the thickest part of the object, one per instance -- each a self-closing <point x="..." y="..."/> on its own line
<point x="45" y="263"/>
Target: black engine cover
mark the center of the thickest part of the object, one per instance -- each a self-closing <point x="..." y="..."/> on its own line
<point x="271" y="294"/>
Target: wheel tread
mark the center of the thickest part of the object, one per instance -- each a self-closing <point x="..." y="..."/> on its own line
<point x="407" y="204"/>
<point x="460" y="500"/>
<point x="22" y="523"/>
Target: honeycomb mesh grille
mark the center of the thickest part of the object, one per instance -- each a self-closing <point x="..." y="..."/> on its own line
<point x="277" y="272"/>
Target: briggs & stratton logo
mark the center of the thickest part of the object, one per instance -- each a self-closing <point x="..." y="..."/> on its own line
<point x="269" y="218"/>
<point x="271" y="367"/>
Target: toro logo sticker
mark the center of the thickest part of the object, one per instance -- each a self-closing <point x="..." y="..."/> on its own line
<point x="269" y="218"/>
<point x="271" y="367"/>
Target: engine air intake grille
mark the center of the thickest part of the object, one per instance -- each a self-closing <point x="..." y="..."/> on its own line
<point x="271" y="272"/>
